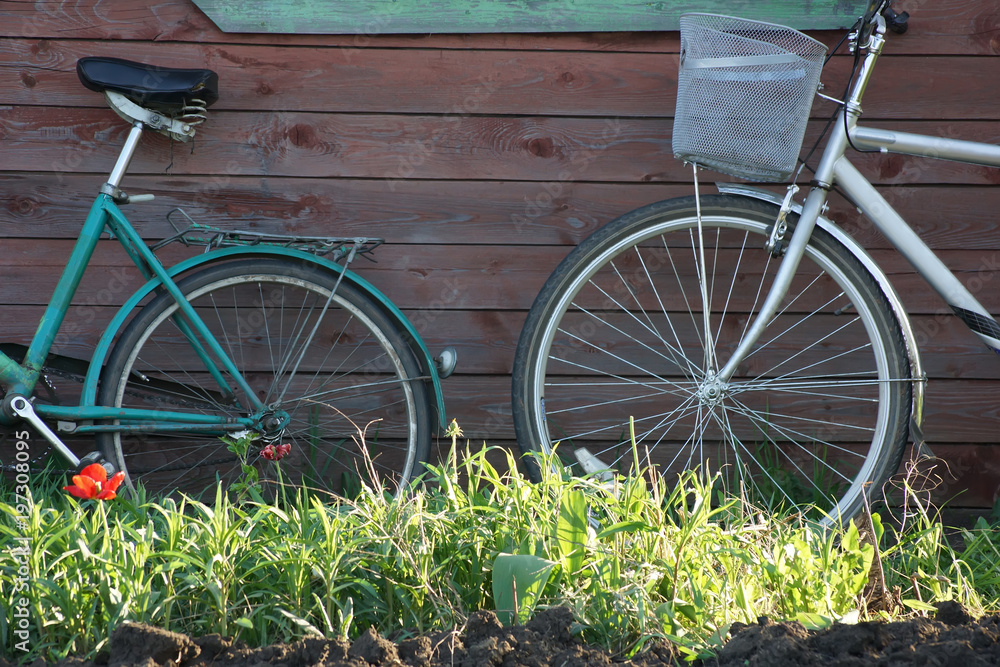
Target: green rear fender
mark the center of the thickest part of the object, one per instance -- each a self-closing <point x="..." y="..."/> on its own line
<point x="125" y="313"/>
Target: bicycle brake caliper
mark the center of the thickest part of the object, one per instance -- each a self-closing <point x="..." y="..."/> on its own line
<point x="776" y="241"/>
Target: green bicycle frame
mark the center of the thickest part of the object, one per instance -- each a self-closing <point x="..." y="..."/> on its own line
<point x="21" y="378"/>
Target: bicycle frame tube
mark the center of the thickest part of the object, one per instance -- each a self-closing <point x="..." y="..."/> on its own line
<point x="22" y="378"/>
<point x="922" y="145"/>
<point x="187" y="319"/>
<point x="893" y="227"/>
<point x="815" y="201"/>
<point x="835" y="168"/>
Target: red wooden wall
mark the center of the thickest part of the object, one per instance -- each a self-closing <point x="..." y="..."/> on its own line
<point x="482" y="159"/>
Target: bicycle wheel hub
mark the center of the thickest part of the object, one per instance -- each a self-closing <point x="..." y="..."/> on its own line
<point x="712" y="391"/>
<point x="273" y="422"/>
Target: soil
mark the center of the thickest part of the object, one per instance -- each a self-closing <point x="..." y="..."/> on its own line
<point x="951" y="638"/>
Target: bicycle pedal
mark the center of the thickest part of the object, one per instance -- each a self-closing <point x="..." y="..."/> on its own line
<point x="593" y="465"/>
<point x="96" y="457"/>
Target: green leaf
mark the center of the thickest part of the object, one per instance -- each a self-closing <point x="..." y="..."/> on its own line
<point x="877" y="527"/>
<point x="851" y="540"/>
<point x="518" y="580"/>
<point x="624" y="527"/>
<point x="308" y="627"/>
<point x="813" y="621"/>
<point x="919" y="605"/>
<point x="571" y="530"/>
<point x="688" y="610"/>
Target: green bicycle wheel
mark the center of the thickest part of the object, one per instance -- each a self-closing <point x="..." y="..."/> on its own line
<point x="356" y="376"/>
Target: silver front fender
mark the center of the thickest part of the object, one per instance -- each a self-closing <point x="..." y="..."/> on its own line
<point x="919" y="379"/>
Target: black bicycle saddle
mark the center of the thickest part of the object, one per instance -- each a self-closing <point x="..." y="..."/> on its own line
<point x="162" y="89"/>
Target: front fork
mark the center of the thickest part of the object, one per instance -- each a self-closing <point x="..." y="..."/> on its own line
<point x="783" y="279"/>
<point x="846" y="119"/>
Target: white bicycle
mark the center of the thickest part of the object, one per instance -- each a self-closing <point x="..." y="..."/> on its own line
<point x="744" y="332"/>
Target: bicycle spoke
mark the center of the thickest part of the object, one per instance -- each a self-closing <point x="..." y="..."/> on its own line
<point x="819" y="400"/>
<point x="614" y="356"/>
<point x="332" y="365"/>
<point x="688" y="368"/>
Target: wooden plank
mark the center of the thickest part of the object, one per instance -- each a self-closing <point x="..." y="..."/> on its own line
<point x="433" y="277"/>
<point x="487" y="338"/>
<point x="470" y="16"/>
<point x="280" y="78"/>
<point x="460" y="83"/>
<point x="434" y="266"/>
<point x="393" y="148"/>
<point x="966" y="476"/>
<point x="957" y="412"/>
<point x="943" y="222"/>
<point x="944" y="27"/>
<point x="455" y="212"/>
<point x="963" y="411"/>
<point x="397" y="148"/>
<point x="483" y="213"/>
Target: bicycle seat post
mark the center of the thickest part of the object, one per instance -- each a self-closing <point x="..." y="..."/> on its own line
<point x="124" y="158"/>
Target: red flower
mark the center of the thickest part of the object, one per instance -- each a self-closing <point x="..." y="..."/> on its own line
<point x="276" y="453"/>
<point x="92" y="482"/>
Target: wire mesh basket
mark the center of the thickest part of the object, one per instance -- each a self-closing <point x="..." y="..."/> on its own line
<point x="744" y="92"/>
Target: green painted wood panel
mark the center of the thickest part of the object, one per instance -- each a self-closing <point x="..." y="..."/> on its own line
<point x="375" y="17"/>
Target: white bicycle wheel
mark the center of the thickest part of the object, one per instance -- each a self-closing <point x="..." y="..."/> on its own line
<point x="814" y="417"/>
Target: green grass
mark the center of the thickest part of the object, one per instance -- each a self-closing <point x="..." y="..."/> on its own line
<point x="634" y="561"/>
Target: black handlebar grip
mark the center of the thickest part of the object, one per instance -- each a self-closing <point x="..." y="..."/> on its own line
<point x="896" y="22"/>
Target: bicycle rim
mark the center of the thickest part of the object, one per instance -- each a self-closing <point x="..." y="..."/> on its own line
<point x="617" y="342"/>
<point x="358" y="415"/>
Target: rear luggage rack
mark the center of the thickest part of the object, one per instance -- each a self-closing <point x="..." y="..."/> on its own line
<point x="196" y="234"/>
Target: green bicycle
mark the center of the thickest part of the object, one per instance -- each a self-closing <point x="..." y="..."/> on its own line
<point x="261" y="338"/>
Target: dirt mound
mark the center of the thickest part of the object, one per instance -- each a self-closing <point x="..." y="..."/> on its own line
<point x="952" y="638"/>
<point x="546" y="640"/>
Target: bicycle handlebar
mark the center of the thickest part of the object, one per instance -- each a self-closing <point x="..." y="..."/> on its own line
<point x="897" y="22"/>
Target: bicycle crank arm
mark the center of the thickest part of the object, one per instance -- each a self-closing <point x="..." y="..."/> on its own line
<point x="21" y="407"/>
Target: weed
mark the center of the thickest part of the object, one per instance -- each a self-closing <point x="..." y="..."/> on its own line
<point x="634" y="557"/>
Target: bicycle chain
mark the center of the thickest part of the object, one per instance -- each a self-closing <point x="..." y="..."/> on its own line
<point x="35" y="465"/>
